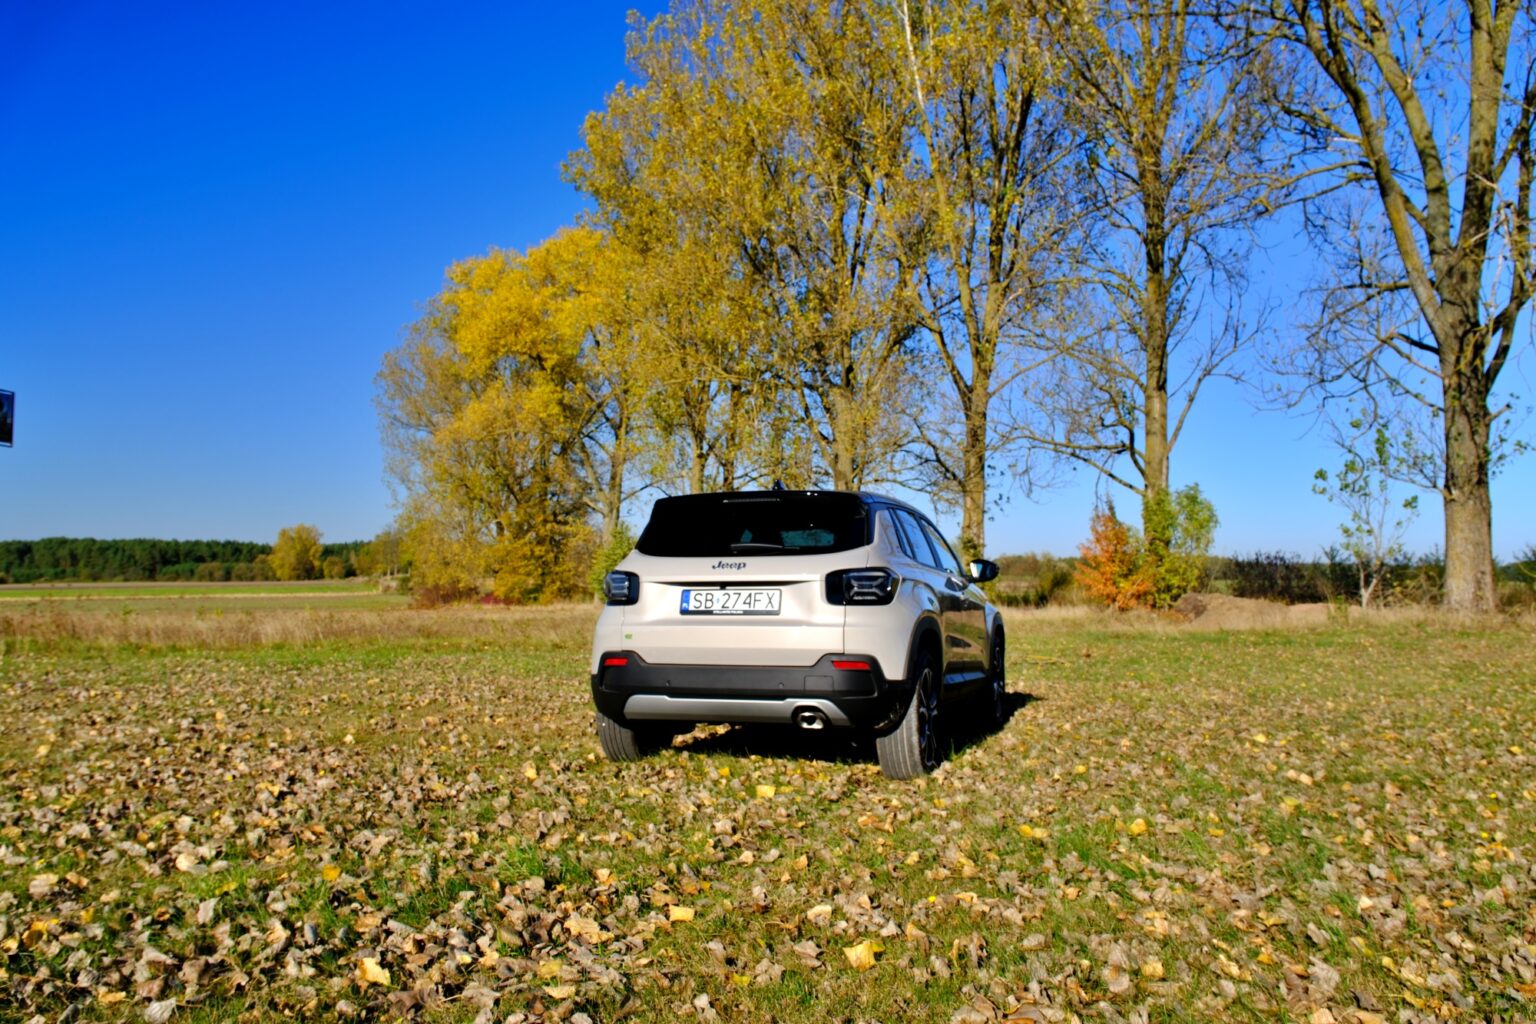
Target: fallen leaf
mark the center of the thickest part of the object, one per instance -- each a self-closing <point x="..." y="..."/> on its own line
<point x="862" y="956"/>
<point x="370" y="973"/>
<point x="586" y="929"/>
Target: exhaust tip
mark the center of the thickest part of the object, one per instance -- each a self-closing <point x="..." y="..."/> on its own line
<point x="810" y="718"/>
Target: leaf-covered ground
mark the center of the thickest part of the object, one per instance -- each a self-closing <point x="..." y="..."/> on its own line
<point x="1317" y="825"/>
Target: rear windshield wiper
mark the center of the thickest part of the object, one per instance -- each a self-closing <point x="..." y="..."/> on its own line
<point x="745" y="546"/>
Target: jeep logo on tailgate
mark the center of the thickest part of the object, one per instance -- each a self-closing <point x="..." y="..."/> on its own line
<point x="729" y="565"/>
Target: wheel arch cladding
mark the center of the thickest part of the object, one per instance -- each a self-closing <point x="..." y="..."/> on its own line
<point x="928" y="635"/>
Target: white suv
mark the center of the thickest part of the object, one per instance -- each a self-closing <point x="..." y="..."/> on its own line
<point x="807" y="608"/>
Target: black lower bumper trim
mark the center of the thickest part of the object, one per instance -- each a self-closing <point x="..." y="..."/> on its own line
<point x="742" y="693"/>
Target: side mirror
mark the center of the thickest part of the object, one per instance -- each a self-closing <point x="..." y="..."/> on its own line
<point x="982" y="571"/>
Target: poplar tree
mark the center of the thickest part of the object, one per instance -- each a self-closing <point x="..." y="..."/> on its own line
<point x="997" y="223"/>
<point x="1179" y="163"/>
<point x="762" y="141"/>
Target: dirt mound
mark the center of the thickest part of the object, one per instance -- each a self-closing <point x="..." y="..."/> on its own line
<point x="1221" y="611"/>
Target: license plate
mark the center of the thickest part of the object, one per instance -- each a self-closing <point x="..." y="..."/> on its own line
<point x="739" y="601"/>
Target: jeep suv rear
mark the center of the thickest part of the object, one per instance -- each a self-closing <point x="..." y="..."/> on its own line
<point x="814" y="609"/>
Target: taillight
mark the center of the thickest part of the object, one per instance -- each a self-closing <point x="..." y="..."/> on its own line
<point x="621" y="587"/>
<point x="862" y="586"/>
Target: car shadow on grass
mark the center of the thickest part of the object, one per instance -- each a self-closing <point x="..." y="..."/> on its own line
<point x="829" y="746"/>
<point x="968" y="726"/>
<point x="964" y="732"/>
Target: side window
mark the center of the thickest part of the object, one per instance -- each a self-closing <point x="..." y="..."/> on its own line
<point x="922" y="551"/>
<point x="889" y="516"/>
<point x="946" y="556"/>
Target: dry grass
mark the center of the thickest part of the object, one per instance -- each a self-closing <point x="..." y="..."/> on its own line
<point x="222" y="627"/>
<point x="1225" y="613"/>
<point x="220" y="623"/>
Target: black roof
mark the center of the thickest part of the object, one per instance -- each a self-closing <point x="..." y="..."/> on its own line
<point x="868" y="497"/>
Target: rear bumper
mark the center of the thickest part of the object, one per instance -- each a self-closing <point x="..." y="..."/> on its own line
<point x="859" y="698"/>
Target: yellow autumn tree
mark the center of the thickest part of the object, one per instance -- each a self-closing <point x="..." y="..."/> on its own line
<point x="752" y="168"/>
<point x="296" y="555"/>
<point x="505" y="414"/>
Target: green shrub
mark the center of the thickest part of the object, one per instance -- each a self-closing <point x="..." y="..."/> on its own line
<point x="1186" y="520"/>
<point x="1278" y="576"/>
<point x="611" y="554"/>
<point x="1032" y="581"/>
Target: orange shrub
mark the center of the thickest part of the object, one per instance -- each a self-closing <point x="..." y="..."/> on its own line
<point x="1110" y="567"/>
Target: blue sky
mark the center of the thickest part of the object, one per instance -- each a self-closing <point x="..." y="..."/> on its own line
<point x="217" y="218"/>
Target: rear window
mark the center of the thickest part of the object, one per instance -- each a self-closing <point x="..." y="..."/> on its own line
<point x="766" y="523"/>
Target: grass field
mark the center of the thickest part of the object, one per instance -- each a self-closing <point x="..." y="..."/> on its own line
<point x="355" y="812"/>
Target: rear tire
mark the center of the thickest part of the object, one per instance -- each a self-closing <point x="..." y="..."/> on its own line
<point x="621" y="743"/>
<point x="912" y="748"/>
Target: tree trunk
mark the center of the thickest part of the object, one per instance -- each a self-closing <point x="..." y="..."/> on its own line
<point x="973" y="487"/>
<point x="1155" y="466"/>
<point x="696" y="468"/>
<point x="613" y="505"/>
<point x="729" y="447"/>
<point x="841" y="457"/>
<point x="1154" y="307"/>
<point x="1468" y="505"/>
<point x="613" y="492"/>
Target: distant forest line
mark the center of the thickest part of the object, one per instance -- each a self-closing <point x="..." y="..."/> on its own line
<point x="88" y="559"/>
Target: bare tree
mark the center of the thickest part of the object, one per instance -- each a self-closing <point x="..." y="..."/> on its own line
<point x="831" y="266"/>
<point x="986" y="188"/>
<point x="1434" y="103"/>
<point x="1180" y="166"/>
